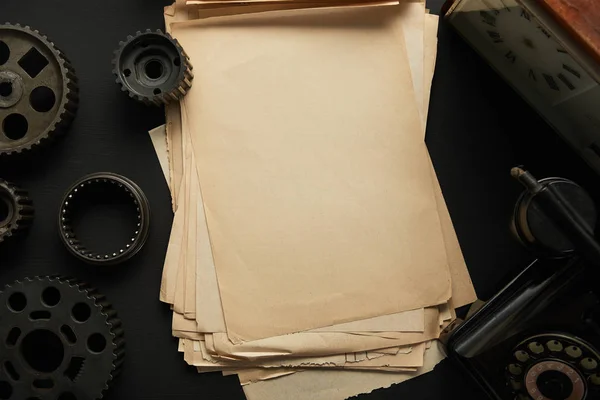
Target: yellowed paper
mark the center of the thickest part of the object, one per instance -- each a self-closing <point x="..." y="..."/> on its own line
<point x="411" y="359"/>
<point x="431" y="64"/>
<point x="407" y="321"/>
<point x="171" y="270"/>
<point x="335" y="385"/>
<point x="307" y="344"/>
<point x="159" y="142"/>
<point x="205" y="299"/>
<point x="372" y="324"/>
<point x="463" y="292"/>
<point x="400" y="360"/>
<point x="180" y="287"/>
<point x="254" y="375"/>
<point x="209" y="310"/>
<point x="430" y="56"/>
<point x="412" y="24"/>
<point x="467" y="275"/>
<point x="250" y="224"/>
<point x="191" y="250"/>
<point x="409" y="356"/>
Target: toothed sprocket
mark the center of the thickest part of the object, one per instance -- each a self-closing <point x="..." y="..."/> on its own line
<point x="59" y="339"/>
<point x="16" y="210"/>
<point x="39" y="92"/>
<point x="153" y="68"/>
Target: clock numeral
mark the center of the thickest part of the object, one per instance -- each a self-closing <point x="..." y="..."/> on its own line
<point x="491" y="7"/>
<point x="572" y="71"/>
<point x="531" y="75"/>
<point x="545" y="32"/>
<point x="561" y="50"/>
<point x="525" y="14"/>
<point x="495" y="36"/>
<point x="488" y="18"/>
<point x="566" y="81"/>
<point x="551" y="82"/>
<point x="505" y="6"/>
<point x="510" y="56"/>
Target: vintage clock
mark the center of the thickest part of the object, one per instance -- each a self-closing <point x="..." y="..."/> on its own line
<point x="549" y="51"/>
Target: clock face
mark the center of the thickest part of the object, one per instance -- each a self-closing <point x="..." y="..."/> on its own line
<point x="534" y="55"/>
<point x="530" y="50"/>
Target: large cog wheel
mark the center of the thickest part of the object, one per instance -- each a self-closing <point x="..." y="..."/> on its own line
<point x="39" y="92"/>
<point x="59" y="340"/>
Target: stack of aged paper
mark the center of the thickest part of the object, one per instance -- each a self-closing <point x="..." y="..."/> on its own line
<point x="312" y="253"/>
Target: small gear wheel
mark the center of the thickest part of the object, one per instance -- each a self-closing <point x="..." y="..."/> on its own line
<point x="59" y="340"/>
<point x="39" y="92"/>
<point x="153" y="68"/>
<point x="16" y="210"/>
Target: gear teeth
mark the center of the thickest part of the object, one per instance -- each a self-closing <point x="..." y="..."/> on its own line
<point x="69" y="103"/>
<point x="176" y="93"/>
<point x="22" y="210"/>
<point x="102" y="306"/>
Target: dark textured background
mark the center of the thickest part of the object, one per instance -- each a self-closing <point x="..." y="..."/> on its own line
<point x="478" y="129"/>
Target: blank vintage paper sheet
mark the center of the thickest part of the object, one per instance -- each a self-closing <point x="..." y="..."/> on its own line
<point x="320" y="218"/>
<point x="376" y="359"/>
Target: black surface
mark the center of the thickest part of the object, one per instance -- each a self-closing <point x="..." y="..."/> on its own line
<point x="478" y="129"/>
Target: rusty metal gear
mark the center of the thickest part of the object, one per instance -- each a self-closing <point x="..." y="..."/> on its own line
<point x="16" y="210"/>
<point x="60" y="340"/>
<point x="153" y="68"/>
<point x="39" y="92"/>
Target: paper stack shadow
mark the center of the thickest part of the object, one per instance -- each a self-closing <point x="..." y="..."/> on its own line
<point x="311" y="252"/>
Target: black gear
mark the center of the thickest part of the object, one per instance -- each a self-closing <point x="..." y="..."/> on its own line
<point x="153" y="68"/>
<point x="39" y="91"/>
<point x="16" y="210"/>
<point x="107" y="188"/>
<point x="60" y="340"/>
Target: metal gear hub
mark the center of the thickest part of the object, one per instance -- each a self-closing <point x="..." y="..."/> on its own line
<point x="38" y="89"/>
<point x="59" y="340"/>
<point x="16" y="210"/>
<point x="153" y="68"/>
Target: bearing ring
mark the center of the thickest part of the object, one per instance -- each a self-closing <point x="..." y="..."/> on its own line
<point x="110" y="182"/>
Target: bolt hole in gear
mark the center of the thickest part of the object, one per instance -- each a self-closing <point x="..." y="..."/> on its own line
<point x="6" y="89"/>
<point x="38" y="90"/>
<point x="16" y="211"/>
<point x="153" y="68"/>
<point x="61" y="356"/>
<point x="104" y="202"/>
